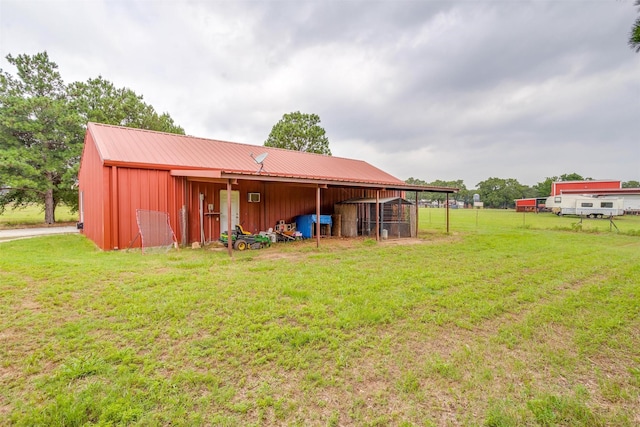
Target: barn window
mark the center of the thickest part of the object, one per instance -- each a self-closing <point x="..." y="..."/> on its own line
<point x="606" y="204"/>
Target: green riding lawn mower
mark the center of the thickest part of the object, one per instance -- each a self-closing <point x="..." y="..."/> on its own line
<point x="242" y="240"/>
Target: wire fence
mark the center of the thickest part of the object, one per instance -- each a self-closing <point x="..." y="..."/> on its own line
<point x="155" y="230"/>
<point x="499" y="220"/>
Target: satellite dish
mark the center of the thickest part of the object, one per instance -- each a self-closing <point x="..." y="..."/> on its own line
<point x="259" y="160"/>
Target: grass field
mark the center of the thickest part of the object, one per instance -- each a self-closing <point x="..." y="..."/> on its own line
<point x="33" y="216"/>
<point x="509" y="320"/>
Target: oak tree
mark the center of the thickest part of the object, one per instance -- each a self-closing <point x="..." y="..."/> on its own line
<point x="501" y="193"/>
<point x="40" y="136"/>
<point x="300" y="132"/>
<point x="42" y="127"/>
<point x="634" y="36"/>
<point x="98" y="100"/>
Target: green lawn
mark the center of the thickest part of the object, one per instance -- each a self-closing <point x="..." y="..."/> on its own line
<point x="33" y="215"/>
<point x="510" y="320"/>
<point x="491" y="220"/>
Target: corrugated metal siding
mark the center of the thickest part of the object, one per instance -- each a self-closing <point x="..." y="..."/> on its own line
<point x="139" y="189"/>
<point x="277" y="202"/>
<point x="525" y="202"/>
<point x="91" y="180"/>
<point x="253" y="215"/>
<point x="157" y="190"/>
<point x="285" y="202"/>
<point x="212" y="195"/>
<point x="112" y="193"/>
<point x="176" y="202"/>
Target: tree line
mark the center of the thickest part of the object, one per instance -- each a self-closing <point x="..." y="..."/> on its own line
<point x="497" y="192"/>
<point x="43" y="124"/>
<point x="42" y="128"/>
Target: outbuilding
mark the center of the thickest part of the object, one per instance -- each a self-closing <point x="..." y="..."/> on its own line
<point x="560" y="187"/>
<point x="605" y="189"/>
<point x="535" y="204"/>
<point x="208" y="186"/>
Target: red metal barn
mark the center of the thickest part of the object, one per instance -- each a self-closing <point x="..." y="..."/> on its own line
<point x="214" y="184"/>
<point x="530" y="205"/>
<point x="559" y="187"/>
<point x="630" y="196"/>
<point x="526" y="205"/>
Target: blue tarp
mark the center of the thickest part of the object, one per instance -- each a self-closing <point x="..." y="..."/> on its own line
<point x="304" y="224"/>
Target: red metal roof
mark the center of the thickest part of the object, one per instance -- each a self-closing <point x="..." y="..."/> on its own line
<point x="121" y="146"/>
<point x="603" y="191"/>
<point x="559" y="187"/>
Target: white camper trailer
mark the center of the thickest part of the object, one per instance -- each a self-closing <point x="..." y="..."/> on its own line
<point x="593" y="207"/>
<point x="631" y="203"/>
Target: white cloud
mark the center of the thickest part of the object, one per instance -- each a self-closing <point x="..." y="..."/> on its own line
<point x="433" y="90"/>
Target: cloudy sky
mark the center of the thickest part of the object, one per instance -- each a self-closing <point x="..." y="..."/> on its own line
<point x="426" y="89"/>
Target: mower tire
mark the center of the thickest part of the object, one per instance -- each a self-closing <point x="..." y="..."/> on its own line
<point x="240" y="245"/>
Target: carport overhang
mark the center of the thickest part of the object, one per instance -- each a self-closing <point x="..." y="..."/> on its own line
<point x="232" y="177"/>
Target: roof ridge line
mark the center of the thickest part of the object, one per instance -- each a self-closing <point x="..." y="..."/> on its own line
<point x="221" y="140"/>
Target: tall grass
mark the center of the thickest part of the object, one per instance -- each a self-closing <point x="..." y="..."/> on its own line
<point x="495" y="324"/>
